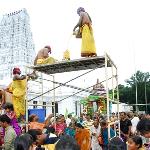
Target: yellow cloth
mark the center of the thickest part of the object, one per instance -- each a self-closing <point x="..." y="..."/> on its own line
<point x="49" y="146"/>
<point x="49" y="60"/>
<point x="66" y="55"/>
<point x="142" y="148"/>
<point x="88" y="44"/>
<point x="18" y="89"/>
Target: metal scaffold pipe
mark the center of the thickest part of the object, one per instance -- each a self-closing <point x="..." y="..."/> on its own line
<point x="81" y="91"/>
<point x="64" y="83"/>
<point x="75" y="87"/>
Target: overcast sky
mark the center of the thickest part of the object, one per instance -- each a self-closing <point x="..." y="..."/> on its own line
<point x="121" y="28"/>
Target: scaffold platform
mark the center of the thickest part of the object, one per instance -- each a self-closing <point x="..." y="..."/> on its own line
<point x="73" y="65"/>
<point x="90" y="64"/>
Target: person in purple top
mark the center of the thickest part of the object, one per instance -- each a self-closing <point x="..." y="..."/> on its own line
<point x="9" y="110"/>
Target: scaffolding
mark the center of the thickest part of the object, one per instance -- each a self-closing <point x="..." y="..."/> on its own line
<point x="90" y="64"/>
<point x="28" y="92"/>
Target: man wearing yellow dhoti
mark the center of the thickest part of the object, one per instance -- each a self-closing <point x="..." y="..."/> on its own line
<point x="43" y="57"/>
<point x="85" y="29"/>
<point x="18" y="90"/>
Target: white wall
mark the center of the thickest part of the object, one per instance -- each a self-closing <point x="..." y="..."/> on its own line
<point x="68" y="104"/>
<point x="122" y="108"/>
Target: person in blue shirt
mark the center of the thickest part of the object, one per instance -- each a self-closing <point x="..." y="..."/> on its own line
<point x="70" y="130"/>
<point x="104" y="133"/>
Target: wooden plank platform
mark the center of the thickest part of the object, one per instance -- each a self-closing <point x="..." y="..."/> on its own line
<point x="72" y="65"/>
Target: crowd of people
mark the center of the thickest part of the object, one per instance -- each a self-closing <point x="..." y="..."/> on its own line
<point x="83" y="133"/>
<point x="87" y="132"/>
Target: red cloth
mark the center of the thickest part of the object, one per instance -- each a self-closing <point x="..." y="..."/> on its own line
<point x="16" y="71"/>
<point x="59" y="128"/>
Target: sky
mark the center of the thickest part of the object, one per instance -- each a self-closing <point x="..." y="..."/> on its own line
<point x="121" y="28"/>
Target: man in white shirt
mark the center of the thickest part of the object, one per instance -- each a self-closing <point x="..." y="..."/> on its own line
<point x="134" y="122"/>
<point x="68" y="120"/>
<point x="95" y="133"/>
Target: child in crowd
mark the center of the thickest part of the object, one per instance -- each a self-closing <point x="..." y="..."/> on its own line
<point x="135" y="143"/>
<point x="9" y="110"/>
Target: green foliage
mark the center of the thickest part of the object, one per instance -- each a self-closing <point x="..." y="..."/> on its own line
<point x="127" y="94"/>
<point x="90" y="111"/>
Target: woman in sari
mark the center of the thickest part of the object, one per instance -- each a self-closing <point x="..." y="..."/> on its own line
<point x="85" y="30"/>
<point x="82" y="137"/>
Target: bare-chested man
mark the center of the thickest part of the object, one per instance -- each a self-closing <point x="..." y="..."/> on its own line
<point x="85" y="28"/>
<point x="84" y="18"/>
<point x="43" y="56"/>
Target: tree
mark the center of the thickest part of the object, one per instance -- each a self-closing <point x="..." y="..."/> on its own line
<point x="139" y="77"/>
<point x="128" y="93"/>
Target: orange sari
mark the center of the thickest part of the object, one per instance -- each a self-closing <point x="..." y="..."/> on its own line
<point x="83" y="139"/>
